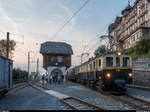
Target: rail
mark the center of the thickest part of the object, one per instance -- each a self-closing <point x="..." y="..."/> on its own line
<point x="139" y="87"/>
<point x="78" y="104"/>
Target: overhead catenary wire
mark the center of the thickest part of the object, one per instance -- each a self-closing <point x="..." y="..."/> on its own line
<point x="63" y="26"/>
<point x="94" y="40"/>
<point x="93" y="46"/>
<point x="90" y="43"/>
<point x="97" y="37"/>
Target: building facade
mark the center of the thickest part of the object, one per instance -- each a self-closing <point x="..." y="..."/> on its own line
<point x="133" y="25"/>
<point x="56" y="57"/>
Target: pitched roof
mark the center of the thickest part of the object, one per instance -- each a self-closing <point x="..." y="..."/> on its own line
<point x="56" y="48"/>
<point x="126" y="10"/>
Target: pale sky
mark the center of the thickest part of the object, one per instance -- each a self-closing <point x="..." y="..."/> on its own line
<point x="32" y="22"/>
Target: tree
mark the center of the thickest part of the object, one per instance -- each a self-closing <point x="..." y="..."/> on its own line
<point x="19" y="75"/>
<point x="100" y="50"/>
<point x="3" y="46"/>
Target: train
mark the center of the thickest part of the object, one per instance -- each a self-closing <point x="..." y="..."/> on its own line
<point x="6" y="75"/>
<point x="108" y="72"/>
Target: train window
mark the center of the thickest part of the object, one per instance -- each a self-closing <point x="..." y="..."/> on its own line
<point x="118" y="61"/>
<point x="126" y="62"/>
<point x="90" y="66"/>
<point x="109" y="61"/>
<point x="94" y="65"/>
<point x="87" y="67"/>
<point x="99" y="62"/>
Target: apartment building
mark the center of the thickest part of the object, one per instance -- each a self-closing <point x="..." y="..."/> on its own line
<point x="133" y="25"/>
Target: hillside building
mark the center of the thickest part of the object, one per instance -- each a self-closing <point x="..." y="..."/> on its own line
<point x="133" y="25"/>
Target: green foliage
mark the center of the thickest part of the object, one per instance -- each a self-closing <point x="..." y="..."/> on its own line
<point x="100" y="50"/>
<point x="19" y="75"/>
<point x="3" y="45"/>
<point x="142" y="48"/>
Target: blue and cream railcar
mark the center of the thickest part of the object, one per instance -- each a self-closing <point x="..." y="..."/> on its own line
<point x="115" y="71"/>
<point x="111" y="71"/>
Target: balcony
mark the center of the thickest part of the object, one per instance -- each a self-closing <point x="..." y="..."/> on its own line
<point x="142" y="13"/>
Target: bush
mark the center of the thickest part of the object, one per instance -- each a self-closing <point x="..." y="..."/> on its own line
<point x="142" y="48"/>
<point x="19" y="75"/>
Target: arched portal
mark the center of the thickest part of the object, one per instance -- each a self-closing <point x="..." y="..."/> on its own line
<point x="53" y="71"/>
<point x="56" y="72"/>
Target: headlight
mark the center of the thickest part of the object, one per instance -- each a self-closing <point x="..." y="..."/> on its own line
<point x="130" y="74"/>
<point x="108" y="75"/>
<point x="99" y="78"/>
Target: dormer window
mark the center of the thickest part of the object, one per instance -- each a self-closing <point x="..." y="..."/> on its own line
<point x="60" y="59"/>
<point x="53" y="59"/>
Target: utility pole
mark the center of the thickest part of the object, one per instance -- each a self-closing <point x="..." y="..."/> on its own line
<point x="37" y="67"/>
<point x="7" y="48"/>
<point x="28" y="66"/>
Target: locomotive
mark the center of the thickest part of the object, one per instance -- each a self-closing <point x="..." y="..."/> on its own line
<point x="109" y="72"/>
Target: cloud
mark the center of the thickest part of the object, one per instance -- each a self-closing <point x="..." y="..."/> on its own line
<point x="37" y="30"/>
<point x="7" y="24"/>
<point x="68" y="11"/>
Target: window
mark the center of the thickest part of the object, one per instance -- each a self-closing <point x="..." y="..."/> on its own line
<point x="99" y="62"/>
<point x="126" y="62"/>
<point x="53" y="59"/>
<point x="117" y="61"/>
<point x="94" y="64"/>
<point x="90" y="66"/>
<point x="60" y="59"/>
<point x="87" y="67"/>
<point x="109" y="61"/>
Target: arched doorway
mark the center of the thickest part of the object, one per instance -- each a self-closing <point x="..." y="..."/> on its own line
<point x="55" y="73"/>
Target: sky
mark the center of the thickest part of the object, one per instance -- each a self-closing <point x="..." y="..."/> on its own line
<point x="32" y="22"/>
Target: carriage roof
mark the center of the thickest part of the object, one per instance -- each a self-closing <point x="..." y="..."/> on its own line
<point x="103" y="55"/>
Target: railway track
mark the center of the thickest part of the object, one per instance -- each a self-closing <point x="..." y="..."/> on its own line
<point x="134" y="102"/>
<point x="138" y="102"/>
<point x="17" y="88"/>
<point x="78" y="104"/>
<point x="139" y="87"/>
<point x="35" y="83"/>
<point x="72" y="102"/>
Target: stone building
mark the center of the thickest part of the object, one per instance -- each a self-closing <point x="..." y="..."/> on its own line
<point x="141" y="71"/>
<point x="56" y="57"/>
<point x="133" y="25"/>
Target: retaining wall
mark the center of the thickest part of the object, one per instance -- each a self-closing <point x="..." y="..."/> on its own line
<point x="141" y="71"/>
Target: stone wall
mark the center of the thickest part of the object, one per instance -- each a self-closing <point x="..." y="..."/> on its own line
<point x="141" y="71"/>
